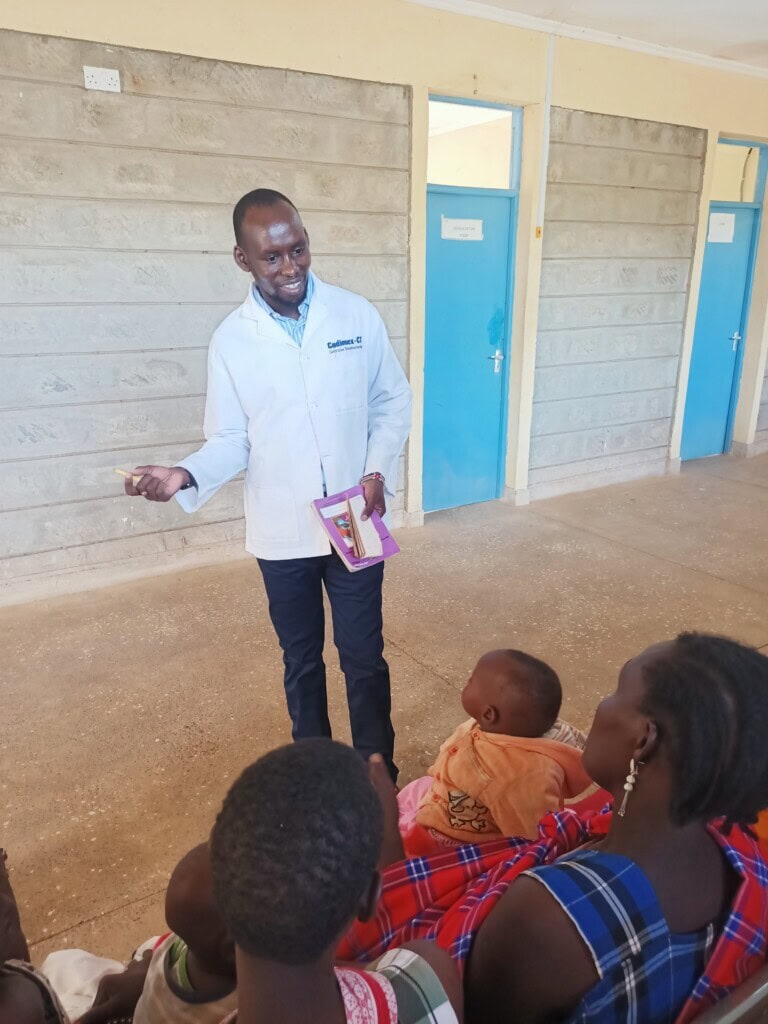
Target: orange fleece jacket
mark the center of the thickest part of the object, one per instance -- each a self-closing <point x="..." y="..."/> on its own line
<point x="486" y="784"/>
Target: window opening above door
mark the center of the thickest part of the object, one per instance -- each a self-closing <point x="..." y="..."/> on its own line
<point x="470" y="145"/>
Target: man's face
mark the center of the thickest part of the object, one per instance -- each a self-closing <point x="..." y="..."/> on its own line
<point x="274" y="248"/>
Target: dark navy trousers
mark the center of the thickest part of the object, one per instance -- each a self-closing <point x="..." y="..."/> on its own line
<point x="295" y="593"/>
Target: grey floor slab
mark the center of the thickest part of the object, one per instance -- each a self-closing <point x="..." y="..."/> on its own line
<point x="713" y="523"/>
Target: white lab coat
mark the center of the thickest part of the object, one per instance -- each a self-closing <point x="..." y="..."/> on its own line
<point x="338" y="405"/>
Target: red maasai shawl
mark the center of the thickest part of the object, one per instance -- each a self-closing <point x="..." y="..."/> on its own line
<point x="447" y="896"/>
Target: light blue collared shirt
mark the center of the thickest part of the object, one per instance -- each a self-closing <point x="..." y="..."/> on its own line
<point x="294" y="328"/>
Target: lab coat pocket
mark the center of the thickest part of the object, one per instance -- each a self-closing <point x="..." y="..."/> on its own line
<point x="351" y="401"/>
<point x="351" y="386"/>
<point x="271" y="513"/>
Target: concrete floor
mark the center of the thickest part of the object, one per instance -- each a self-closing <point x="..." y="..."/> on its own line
<point x="128" y="711"/>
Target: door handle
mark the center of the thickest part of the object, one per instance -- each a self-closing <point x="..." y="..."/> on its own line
<point x="735" y="338"/>
<point x="497" y="357"/>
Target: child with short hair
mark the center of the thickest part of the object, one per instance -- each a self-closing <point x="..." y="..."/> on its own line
<point x="294" y="851"/>
<point x="189" y="978"/>
<point x="505" y="768"/>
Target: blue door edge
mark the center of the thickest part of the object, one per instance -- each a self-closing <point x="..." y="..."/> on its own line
<point x="508" y="320"/>
<point x="746" y="304"/>
<point x="508" y="219"/>
<point x="508" y="315"/>
<point x="757" y="206"/>
<point x="513" y="192"/>
<point x="719" y="442"/>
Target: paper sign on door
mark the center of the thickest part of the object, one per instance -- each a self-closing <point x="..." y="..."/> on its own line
<point x="461" y="229"/>
<point x="721" y="227"/>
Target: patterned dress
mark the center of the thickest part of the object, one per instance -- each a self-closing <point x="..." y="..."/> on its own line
<point x="400" y="988"/>
<point x="646" y="972"/>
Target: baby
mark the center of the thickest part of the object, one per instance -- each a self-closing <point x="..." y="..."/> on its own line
<point x="505" y="768"/>
<point x="190" y="977"/>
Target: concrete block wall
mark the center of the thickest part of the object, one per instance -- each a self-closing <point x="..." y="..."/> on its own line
<point x="621" y="207"/>
<point x="115" y="266"/>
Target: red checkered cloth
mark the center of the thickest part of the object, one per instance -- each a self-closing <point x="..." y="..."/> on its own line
<point x="743" y="945"/>
<point x="447" y="896"/>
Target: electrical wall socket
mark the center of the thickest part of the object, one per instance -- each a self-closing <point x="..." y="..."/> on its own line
<point x="105" y="79"/>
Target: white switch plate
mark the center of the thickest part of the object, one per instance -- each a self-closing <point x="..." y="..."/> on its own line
<point x="105" y="79"/>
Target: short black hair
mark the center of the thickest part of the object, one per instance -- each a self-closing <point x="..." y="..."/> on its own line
<point x="294" y="848"/>
<point x="709" y="698"/>
<point x="258" y="197"/>
<point x="541" y="683"/>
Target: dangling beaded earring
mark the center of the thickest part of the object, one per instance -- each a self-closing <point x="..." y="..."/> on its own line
<point x="629" y="785"/>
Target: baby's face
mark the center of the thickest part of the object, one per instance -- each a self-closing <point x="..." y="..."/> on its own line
<point x="481" y="689"/>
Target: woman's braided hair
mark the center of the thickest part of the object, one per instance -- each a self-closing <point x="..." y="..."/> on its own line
<point x="709" y="698"/>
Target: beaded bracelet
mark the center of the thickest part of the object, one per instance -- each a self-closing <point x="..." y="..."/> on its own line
<point x="372" y="476"/>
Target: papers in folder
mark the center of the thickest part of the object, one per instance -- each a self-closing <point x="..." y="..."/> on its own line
<point x="359" y="542"/>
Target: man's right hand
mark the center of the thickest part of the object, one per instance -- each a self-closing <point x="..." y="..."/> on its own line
<point x="156" y="483"/>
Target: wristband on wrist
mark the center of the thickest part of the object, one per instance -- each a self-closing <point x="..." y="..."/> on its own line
<point x="191" y="483"/>
<point x="372" y="476"/>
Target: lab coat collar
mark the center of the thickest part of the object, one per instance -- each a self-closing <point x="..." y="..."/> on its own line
<point x="318" y="309"/>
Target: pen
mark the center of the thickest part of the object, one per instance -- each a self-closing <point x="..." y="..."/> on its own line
<point x="128" y="476"/>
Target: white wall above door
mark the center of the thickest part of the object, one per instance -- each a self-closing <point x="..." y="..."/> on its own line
<point x="703" y="32"/>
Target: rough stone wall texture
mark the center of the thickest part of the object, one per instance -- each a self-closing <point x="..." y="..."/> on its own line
<point x="622" y="200"/>
<point x="115" y="266"/>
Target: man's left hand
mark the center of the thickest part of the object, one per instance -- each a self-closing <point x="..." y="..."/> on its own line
<point x="374" y="498"/>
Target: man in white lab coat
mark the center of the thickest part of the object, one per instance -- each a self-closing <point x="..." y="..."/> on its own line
<point x="306" y="395"/>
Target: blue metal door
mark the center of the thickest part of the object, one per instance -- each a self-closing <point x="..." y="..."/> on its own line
<point x="469" y="259"/>
<point x="720" y="321"/>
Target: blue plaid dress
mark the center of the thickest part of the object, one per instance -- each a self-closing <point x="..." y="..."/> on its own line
<point x="646" y="972"/>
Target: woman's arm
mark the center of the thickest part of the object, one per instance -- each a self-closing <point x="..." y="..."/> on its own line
<point x="528" y="963"/>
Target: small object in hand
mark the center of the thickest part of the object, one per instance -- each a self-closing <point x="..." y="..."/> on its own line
<point x="128" y="476"/>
